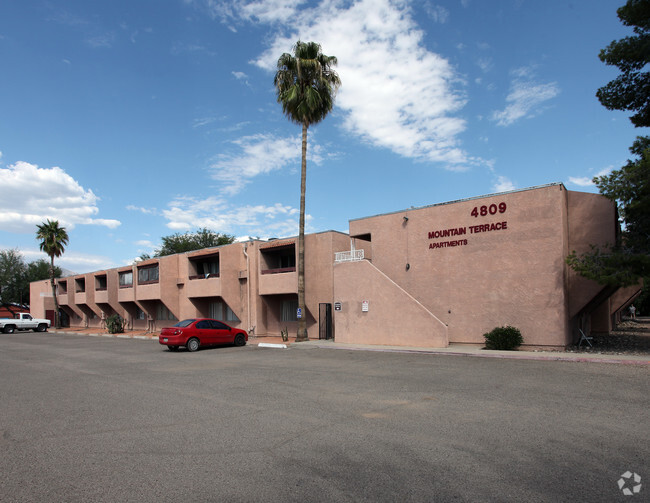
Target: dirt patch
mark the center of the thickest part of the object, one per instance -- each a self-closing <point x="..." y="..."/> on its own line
<point x="630" y="337"/>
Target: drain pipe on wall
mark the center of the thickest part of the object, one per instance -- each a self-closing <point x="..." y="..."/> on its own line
<point x="248" y="289"/>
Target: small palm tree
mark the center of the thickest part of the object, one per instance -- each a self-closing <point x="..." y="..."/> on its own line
<point x="306" y="86"/>
<point x="53" y="240"/>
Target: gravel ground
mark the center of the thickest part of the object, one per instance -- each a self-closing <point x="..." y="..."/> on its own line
<point x="630" y="337"/>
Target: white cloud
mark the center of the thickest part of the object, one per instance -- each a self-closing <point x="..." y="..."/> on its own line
<point x="101" y="41"/>
<point x="257" y="155"/>
<point x="71" y="260"/>
<point x="188" y="213"/>
<point x="503" y="184"/>
<point x="146" y="211"/>
<point x="437" y="13"/>
<point x="242" y="77"/>
<point x="266" y="11"/>
<point x="395" y="93"/>
<point x="32" y="195"/>
<point x="583" y="181"/>
<point x="525" y="98"/>
<point x="587" y="181"/>
<point x="269" y="11"/>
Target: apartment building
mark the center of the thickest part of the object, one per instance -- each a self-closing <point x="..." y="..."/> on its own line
<point x="429" y="276"/>
<point x="251" y="285"/>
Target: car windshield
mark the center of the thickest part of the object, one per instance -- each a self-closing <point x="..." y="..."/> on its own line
<point x="185" y="323"/>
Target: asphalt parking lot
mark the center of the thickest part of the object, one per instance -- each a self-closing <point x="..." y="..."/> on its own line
<point x="103" y="419"/>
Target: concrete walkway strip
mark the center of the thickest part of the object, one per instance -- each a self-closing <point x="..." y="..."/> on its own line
<point x="271" y="345"/>
<point x="449" y="351"/>
<point x="478" y="353"/>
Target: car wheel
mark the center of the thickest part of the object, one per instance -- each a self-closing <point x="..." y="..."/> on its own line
<point x="172" y="348"/>
<point x="9" y="329"/>
<point x="240" y="340"/>
<point x="193" y="344"/>
<point x="42" y="327"/>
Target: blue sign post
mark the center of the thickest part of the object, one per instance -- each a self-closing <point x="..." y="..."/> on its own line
<point x="299" y="313"/>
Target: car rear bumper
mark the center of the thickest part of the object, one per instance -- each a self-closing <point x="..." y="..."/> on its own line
<point x="172" y="340"/>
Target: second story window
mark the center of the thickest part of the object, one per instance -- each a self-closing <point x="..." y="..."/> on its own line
<point x="204" y="267"/>
<point x="126" y="279"/>
<point x="80" y="285"/>
<point x="148" y="274"/>
<point x="100" y="283"/>
<point x="278" y="259"/>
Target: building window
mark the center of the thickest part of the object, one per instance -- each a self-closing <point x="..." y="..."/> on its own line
<point x="148" y="274"/>
<point x="221" y="311"/>
<point x="126" y="279"/>
<point x="80" y="285"/>
<point x="139" y="314"/>
<point x="63" y="287"/>
<point x="100" y="283"/>
<point x="278" y="260"/>
<point x="289" y="310"/>
<point x="204" y="267"/>
<point x="162" y="313"/>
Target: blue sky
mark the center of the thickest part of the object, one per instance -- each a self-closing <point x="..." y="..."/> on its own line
<point x="130" y="120"/>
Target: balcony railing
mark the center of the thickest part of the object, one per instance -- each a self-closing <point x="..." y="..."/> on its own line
<point x="205" y="276"/>
<point x="348" y="256"/>
<point x="278" y="270"/>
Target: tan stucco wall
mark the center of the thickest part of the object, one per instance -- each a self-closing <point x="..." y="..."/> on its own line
<point x="432" y="275"/>
<point x="592" y="222"/>
<point x="239" y="285"/>
<point x="393" y="317"/>
<point x="513" y="275"/>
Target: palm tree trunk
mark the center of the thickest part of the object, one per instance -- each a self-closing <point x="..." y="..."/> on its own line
<point x="57" y="323"/>
<point x="302" y="322"/>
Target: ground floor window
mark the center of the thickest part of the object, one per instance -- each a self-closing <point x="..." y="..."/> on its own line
<point x="289" y="310"/>
<point x="139" y="314"/>
<point x="162" y="313"/>
<point x="221" y="311"/>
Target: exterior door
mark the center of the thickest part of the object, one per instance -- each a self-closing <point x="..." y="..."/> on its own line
<point x="325" y="321"/>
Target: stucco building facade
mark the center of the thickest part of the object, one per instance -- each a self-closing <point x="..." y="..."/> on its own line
<point x="429" y="276"/>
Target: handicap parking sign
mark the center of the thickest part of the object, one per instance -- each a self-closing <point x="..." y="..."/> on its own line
<point x="299" y="313"/>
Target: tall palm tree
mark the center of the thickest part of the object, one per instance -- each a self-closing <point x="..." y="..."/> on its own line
<point x="53" y="240"/>
<point x="306" y="86"/>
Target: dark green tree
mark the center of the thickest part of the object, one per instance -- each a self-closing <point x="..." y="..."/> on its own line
<point x="36" y="271"/>
<point x="306" y="86"/>
<point x="190" y="241"/>
<point x="53" y="240"/>
<point x="625" y="262"/>
<point x="15" y="276"/>
<point x="631" y="89"/>
<point x="12" y="277"/>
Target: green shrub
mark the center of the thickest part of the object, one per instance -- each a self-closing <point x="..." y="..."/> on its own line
<point x="503" y="338"/>
<point x="115" y="324"/>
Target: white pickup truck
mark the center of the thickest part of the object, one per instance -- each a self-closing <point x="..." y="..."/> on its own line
<point x="23" y="321"/>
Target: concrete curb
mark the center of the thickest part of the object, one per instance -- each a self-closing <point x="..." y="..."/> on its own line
<point x="118" y="336"/>
<point x="511" y="355"/>
<point x="271" y="345"/>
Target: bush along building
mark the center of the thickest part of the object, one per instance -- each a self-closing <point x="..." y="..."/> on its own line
<point x="429" y="276"/>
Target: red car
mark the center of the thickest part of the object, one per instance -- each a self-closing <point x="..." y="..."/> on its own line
<point x="199" y="332"/>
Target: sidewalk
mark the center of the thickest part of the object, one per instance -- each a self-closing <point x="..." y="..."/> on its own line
<point x="477" y="352"/>
<point x="452" y="350"/>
